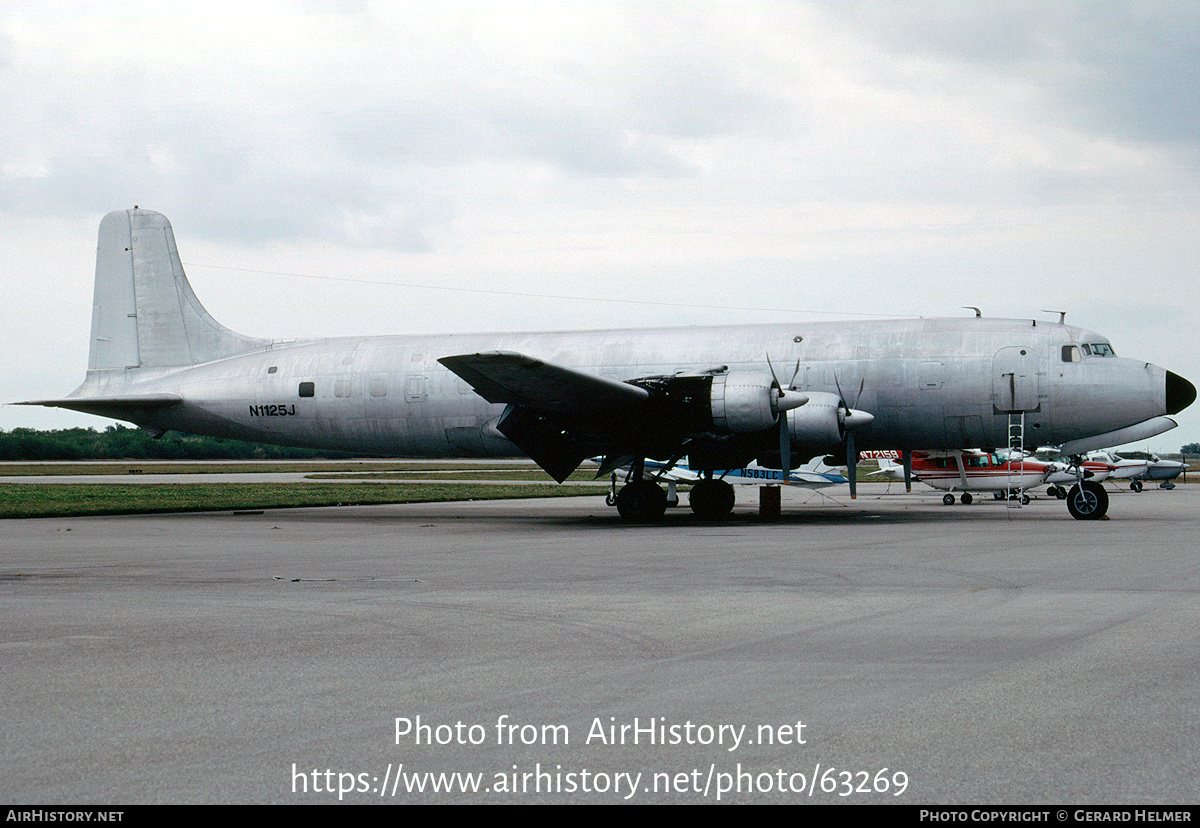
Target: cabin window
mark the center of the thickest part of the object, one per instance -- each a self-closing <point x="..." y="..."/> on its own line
<point x="272" y="369"/>
<point x="1070" y="353"/>
<point x="341" y="388"/>
<point x="308" y="389"/>
<point x="378" y="386"/>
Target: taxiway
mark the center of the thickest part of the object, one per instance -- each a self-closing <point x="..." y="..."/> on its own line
<point x="989" y="655"/>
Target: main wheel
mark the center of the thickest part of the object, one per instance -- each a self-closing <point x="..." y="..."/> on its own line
<point x="1136" y="485"/>
<point x="948" y="499"/>
<point x="966" y="499"/>
<point x="1087" y="501"/>
<point x="711" y="499"/>
<point x="641" y="502"/>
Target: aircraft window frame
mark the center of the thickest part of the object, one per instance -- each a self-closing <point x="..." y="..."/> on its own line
<point x="308" y="389"/>
<point x="1070" y="353"/>
<point x="1102" y="349"/>
<point x="1087" y="349"/>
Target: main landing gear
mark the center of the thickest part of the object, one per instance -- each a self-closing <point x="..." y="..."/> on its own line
<point x="640" y="501"/>
<point x="711" y="499"/>
<point x="644" y="501"/>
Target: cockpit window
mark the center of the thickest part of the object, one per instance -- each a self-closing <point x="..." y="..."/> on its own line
<point x="1070" y="353"/>
<point x="1087" y="349"/>
<point x="1102" y="349"/>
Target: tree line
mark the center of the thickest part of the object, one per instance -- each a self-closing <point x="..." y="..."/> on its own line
<point x="118" y="442"/>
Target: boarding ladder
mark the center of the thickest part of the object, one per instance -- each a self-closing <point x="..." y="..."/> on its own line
<point x="1016" y="448"/>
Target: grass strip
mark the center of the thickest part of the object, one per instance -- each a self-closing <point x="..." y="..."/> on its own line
<point x="293" y="466"/>
<point x="22" y="500"/>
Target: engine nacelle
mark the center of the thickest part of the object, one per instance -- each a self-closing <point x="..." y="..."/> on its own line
<point x="818" y="424"/>
<point x="743" y="402"/>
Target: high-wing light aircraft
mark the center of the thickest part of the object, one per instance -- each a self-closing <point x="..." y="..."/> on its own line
<point x="159" y="360"/>
<point x="966" y="471"/>
<point x="1123" y="468"/>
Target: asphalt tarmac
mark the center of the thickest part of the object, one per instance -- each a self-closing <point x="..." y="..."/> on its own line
<point x="893" y="650"/>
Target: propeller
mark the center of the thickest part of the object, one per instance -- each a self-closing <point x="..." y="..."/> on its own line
<point x="850" y="419"/>
<point x="788" y="399"/>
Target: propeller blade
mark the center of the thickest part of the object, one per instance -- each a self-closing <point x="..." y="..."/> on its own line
<point x="852" y="464"/>
<point x="906" y="458"/>
<point x="785" y="446"/>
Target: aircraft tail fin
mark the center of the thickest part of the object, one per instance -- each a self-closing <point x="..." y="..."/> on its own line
<point x="144" y="313"/>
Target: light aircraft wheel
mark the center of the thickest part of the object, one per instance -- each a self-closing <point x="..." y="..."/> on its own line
<point x="1061" y="494"/>
<point x="967" y="499"/>
<point x="1024" y="500"/>
<point x="1136" y="485"/>
<point x="998" y="495"/>
<point x="1087" y="501"/>
<point x="1167" y="485"/>
<point x="711" y="499"/>
<point x="948" y="500"/>
<point x="641" y="502"/>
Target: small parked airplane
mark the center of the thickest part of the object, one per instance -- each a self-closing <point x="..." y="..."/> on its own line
<point x="1162" y="470"/>
<point x="966" y="471"/>
<point x="710" y="394"/>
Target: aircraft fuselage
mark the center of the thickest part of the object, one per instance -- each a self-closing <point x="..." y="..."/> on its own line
<point x="931" y="383"/>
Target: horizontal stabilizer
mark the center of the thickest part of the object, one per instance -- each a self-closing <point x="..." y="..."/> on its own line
<point x="111" y="406"/>
<point x="517" y="379"/>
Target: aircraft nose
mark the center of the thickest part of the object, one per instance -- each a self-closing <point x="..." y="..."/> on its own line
<point x="1180" y="393"/>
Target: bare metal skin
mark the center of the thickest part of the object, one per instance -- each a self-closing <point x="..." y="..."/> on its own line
<point x="158" y="359"/>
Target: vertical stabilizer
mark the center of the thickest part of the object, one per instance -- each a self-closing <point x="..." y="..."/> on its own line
<point x="144" y="313"/>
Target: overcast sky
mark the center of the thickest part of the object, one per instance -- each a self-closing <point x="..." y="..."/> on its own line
<point x="371" y="168"/>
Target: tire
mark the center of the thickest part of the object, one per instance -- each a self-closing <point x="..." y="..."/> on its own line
<point x="948" y="500"/>
<point x="1136" y="485"/>
<point x="1087" y="501"/>
<point x="641" y="502"/>
<point x="711" y="499"/>
<point x="967" y="499"/>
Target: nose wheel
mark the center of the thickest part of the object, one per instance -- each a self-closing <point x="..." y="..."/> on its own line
<point x="1087" y="500"/>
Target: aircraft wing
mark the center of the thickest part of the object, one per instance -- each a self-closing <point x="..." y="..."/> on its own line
<point x="517" y="379"/>
<point x="558" y="416"/>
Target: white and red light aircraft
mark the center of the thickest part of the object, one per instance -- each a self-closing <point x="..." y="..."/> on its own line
<point x="966" y="471"/>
